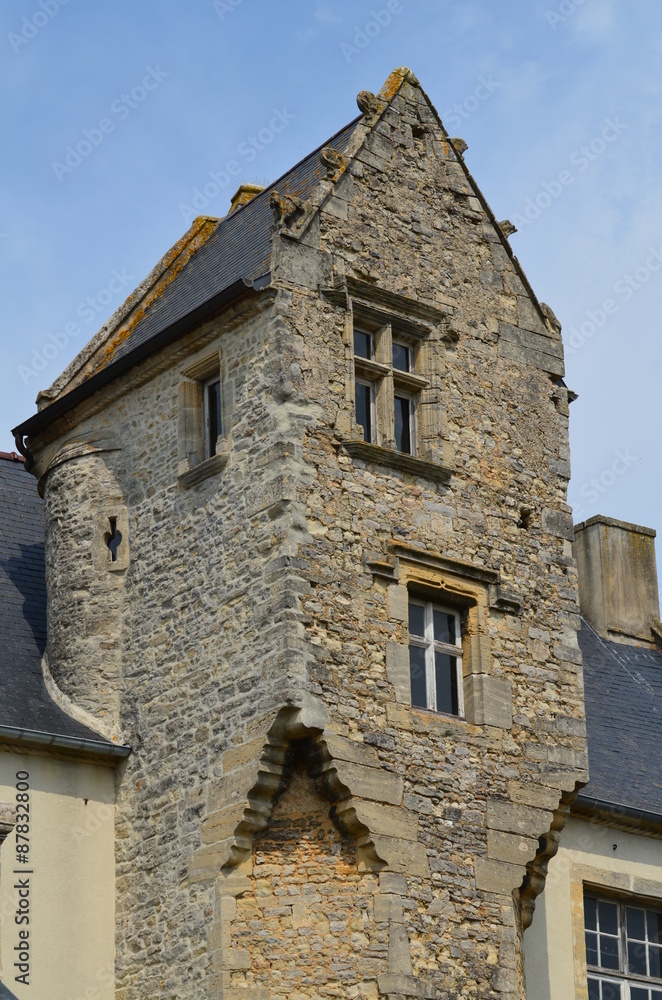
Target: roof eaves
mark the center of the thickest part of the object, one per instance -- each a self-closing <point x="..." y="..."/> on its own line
<point x="42" y="740"/>
<point x="63" y="404"/>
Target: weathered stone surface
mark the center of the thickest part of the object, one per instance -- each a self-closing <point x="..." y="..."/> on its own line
<point x="245" y="632"/>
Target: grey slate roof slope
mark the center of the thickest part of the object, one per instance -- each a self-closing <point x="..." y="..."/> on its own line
<point x="24" y="701"/>
<point x="240" y="247"/>
<point x="623" y="691"/>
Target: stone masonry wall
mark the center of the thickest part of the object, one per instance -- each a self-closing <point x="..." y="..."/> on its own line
<point x="258" y="613"/>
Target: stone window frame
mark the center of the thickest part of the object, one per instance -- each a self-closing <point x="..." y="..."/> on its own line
<point x="475" y="593"/>
<point x="433" y="330"/>
<point x="195" y="461"/>
<point x="388" y="382"/>
<point x="621" y="976"/>
<point x="602" y="882"/>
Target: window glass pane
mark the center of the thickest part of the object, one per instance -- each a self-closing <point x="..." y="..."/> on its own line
<point x="655" y="969"/>
<point x="213" y="404"/>
<point x="608" y="917"/>
<point x="590" y="913"/>
<point x="656" y="994"/>
<point x="636" y="923"/>
<point x="416" y="619"/>
<point x="593" y="989"/>
<point x="611" y="991"/>
<point x="637" y="958"/>
<point x="364" y="409"/>
<point x="363" y="344"/>
<point x="401" y="356"/>
<point x="654" y="927"/>
<point x="417" y="674"/>
<point x="637" y="993"/>
<point x="403" y="424"/>
<point x="444" y="627"/>
<point x="591" y="948"/>
<point x="446" y="680"/>
<point x="608" y="952"/>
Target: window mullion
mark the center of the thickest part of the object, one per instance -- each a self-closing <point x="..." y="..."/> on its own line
<point x="429" y="657"/>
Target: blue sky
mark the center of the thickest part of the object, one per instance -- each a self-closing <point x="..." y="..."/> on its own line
<point x="559" y="101"/>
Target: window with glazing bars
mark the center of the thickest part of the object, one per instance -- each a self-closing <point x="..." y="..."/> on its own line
<point x="623" y="949"/>
<point x="435" y="657"/>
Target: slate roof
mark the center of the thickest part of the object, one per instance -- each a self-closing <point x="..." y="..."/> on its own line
<point x="24" y="700"/>
<point x="240" y="247"/>
<point x="623" y="691"/>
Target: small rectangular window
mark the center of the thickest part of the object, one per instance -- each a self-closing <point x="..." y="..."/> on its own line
<point x="364" y="344"/>
<point x="212" y="415"/>
<point x="435" y="658"/>
<point x="401" y="357"/>
<point x="404" y="424"/>
<point x="365" y="399"/>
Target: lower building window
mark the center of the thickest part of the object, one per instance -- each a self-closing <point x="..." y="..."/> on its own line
<point x="435" y="658"/>
<point x="404" y="424"/>
<point x="365" y="408"/>
<point x="623" y="950"/>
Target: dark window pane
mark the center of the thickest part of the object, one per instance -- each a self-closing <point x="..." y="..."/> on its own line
<point x="608" y="916"/>
<point x="637" y="958"/>
<point x="654" y="927"/>
<point x="608" y="952"/>
<point x="403" y="424"/>
<point x="611" y="991"/>
<point x="590" y="912"/>
<point x="591" y="948"/>
<point x="416" y="619"/>
<point x="656" y="994"/>
<point x="446" y="680"/>
<point x="401" y="357"/>
<point x="417" y="674"/>
<point x="655" y="969"/>
<point x="637" y="993"/>
<point x="364" y="410"/>
<point x="635" y="921"/>
<point x="444" y="627"/>
<point x="362" y="344"/>
<point x="213" y="416"/>
<point x="593" y="989"/>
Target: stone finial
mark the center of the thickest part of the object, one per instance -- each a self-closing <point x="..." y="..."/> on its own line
<point x="507" y="228"/>
<point x="333" y="161"/>
<point x="367" y="102"/>
<point x="551" y="318"/>
<point x="459" y="145"/>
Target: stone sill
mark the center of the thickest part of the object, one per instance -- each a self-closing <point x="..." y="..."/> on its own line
<point x="204" y="470"/>
<point x="409" y="465"/>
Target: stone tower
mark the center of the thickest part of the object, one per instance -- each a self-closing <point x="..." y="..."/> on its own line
<point x="309" y="554"/>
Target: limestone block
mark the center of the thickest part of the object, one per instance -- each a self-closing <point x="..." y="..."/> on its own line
<point x="397" y="670"/>
<point x="382" y="819"/>
<point x="208" y="860"/>
<point x="403" y="856"/>
<point x="340" y="748"/>
<point x="498" y="876"/>
<point x="399" y="955"/>
<point x="510" y="847"/>
<point x="390" y="883"/>
<point x="370" y="782"/>
<point x="488" y="701"/>
<point x="388" y="907"/>
<point x="530" y="794"/>
<point x="512" y="818"/>
<point x="398" y="603"/>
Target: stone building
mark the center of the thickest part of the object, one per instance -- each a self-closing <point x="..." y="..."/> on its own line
<point x="309" y="554"/>
<point x="597" y="929"/>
